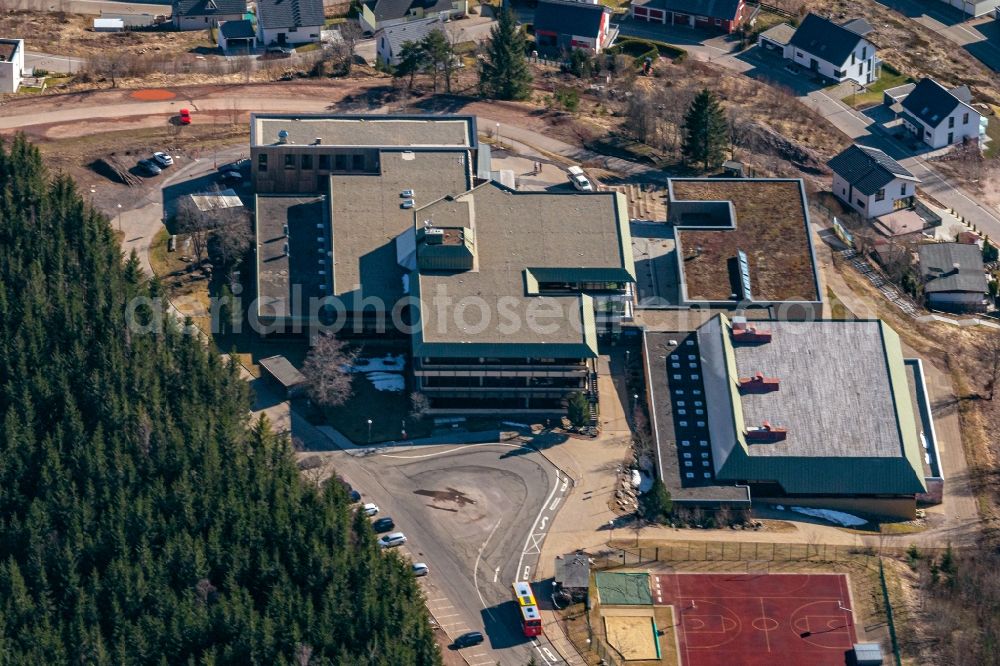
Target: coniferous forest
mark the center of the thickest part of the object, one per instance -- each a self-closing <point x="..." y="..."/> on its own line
<point x="144" y="519"/>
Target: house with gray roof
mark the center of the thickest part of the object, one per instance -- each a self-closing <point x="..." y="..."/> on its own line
<point x="974" y="7"/>
<point x="954" y="277"/>
<point x="939" y="117"/>
<point x="204" y="14"/>
<point x="871" y="182"/>
<point x="813" y="413"/>
<point x="389" y="40"/>
<point x="561" y="25"/>
<point x="236" y="35"/>
<point x="837" y="51"/>
<point x="376" y="14"/>
<point x="289" y="22"/>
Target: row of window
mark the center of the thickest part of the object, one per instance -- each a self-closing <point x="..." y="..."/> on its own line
<point x="305" y="162"/>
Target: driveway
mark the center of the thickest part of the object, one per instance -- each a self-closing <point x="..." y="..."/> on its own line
<point x="977" y="36"/>
<point x="477" y="515"/>
<point x="700" y="44"/>
<point x="52" y="63"/>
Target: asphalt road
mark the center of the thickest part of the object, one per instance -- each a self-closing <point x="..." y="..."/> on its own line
<point x="53" y="63"/>
<point x="477" y="516"/>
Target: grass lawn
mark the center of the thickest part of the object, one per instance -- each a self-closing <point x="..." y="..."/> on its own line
<point x="888" y="78"/>
<point x="306" y="48"/>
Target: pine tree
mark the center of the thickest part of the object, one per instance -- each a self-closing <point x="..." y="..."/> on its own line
<point x="705" y="130"/>
<point x="578" y="409"/>
<point x="657" y="502"/>
<point x="504" y="73"/>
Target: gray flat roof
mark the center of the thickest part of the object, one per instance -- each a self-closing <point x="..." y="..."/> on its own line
<point x="557" y="237"/>
<point x="368" y="216"/>
<point x="279" y="273"/>
<point x="369" y="130"/>
<point x="283" y="371"/>
<point x="842" y="396"/>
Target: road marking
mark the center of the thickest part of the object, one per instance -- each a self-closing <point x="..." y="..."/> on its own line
<point x="531" y="532"/>
<point x="546" y="655"/>
<point x="496" y="574"/>
<point x="555" y="503"/>
<point x="441" y="617"/>
<point x="438" y="599"/>
<point x="545" y="520"/>
<point x="527" y="570"/>
<point x="475" y="570"/>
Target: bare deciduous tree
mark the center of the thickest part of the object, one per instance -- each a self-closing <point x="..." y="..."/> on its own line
<point x="327" y="371"/>
<point x="197" y="224"/>
<point x="420" y="404"/>
<point x="992" y="352"/>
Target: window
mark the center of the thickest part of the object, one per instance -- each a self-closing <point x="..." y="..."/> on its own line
<point x="718" y="21"/>
<point x="340" y="162"/>
<point x="838" y="74"/>
<point x="357" y="162"/>
<point x="854" y="59"/>
<point x="951" y="123"/>
<point x="262" y="162"/>
<point x="880" y="195"/>
<point x="861" y="68"/>
<point x="902" y="189"/>
<point x="864" y="52"/>
<point x="290" y="161"/>
<point x="307" y="161"/>
<point x="688" y="463"/>
<point x="861" y="202"/>
<point x="292" y="29"/>
<point x="965" y="119"/>
<point x="687" y="455"/>
<point x="324" y="162"/>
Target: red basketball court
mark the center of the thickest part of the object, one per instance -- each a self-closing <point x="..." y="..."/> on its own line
<point x="751" y="620"/>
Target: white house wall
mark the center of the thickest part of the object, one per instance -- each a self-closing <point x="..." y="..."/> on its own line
<point x="301" y="35"/>
<point x="861" y="72"/>
<point x="974" y="8"/>
<point x="867" y="205"/>
<point x="11" y="72"/>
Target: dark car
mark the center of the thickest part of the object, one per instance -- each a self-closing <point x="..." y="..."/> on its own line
<point x="468" y="639"/>
<point x="231" y="177"/>
<point x="149" y="167"/>
<point x="354" y="495"/>
<point x="383" y="524"/>
<point x="238" y="165"/>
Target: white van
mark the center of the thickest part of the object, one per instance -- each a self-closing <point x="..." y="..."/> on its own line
<point x="579" y="179"/>
<point x="392" y="540"/>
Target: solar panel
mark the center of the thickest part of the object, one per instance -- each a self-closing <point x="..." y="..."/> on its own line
<point x="744" y="263"/>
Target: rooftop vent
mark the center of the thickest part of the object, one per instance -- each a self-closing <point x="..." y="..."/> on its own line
<point x="319" y="140"/>
<point x="766" y="433"/>
<point x="434" y="236"/>
<point x="758" y="384"/>
<point x="284" y="229"/>
<point x="285" y="249"/>
<point x="282" y="136"/>
<point x="742" y="332"/>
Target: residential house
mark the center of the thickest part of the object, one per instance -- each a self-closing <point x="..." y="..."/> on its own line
<point x="289" y="21"/>
<point x="840" y="52"/>
<point x="204" y="14"/>
<point x="389" y="40"/>
<point x="954" y="277"/>
<point x="561" y="25"/>
<point x="940" y="117"/>
<point x="381" y="226"/>
<point x="974" y="7"/>
<point x="377" y="14"/>
<point x="719" y="15"/>
<point x="236" y="35"/>
<point x="11" y="64"/>
<point x="871" y="182"/>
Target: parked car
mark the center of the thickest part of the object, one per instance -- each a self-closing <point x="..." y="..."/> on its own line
<point x="237" y="166"/>
<point x="149" y="167"/>
<point x="392" y="540"/>
<point x="280" y="51"/>
<point x="162" y="159"/>
<point x="354" y="495"/>
<point x="420" y="569"/>
<point x="579" y="180"/>
<point x="383" y="524"/>
<point x="370" y="509"/>
<point x="184" y="117"/>
<point x="231" y="177"/>
<point x="468" y="639"/>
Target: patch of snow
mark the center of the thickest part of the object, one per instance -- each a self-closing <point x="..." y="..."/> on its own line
<point x="387" y="363"/>
<point x="387" y="382"/>
<point x="779" y="507"/>
<point x="645" y="483"/>
<point x="636" y="478"/>
<point x="838" y="517"/>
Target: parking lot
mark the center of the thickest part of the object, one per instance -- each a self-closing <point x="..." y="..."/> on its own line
<point x="476" y="515"/>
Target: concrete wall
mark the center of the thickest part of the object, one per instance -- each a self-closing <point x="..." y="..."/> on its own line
<point x="12" y="71"/>
<point x="203" y="22"/>
<point x="301" y="35"/>
<point x="903" y="508"/>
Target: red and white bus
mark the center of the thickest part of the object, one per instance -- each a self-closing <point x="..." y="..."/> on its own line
<point x="531" y="619"/>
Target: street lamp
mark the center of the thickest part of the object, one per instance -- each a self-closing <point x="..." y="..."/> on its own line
<point x="611" y="526"/>
<point x="369" y="431"/>
<point x="499" y="140"/>
<point x="119" y="218"/>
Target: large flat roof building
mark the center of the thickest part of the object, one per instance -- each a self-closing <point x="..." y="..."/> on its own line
<point x="798" y="410"/>
<point x="744" y="241"/>
<point x="386" y="225"/>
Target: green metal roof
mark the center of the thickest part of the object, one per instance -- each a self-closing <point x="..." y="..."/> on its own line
<point x="623" y="589"/>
